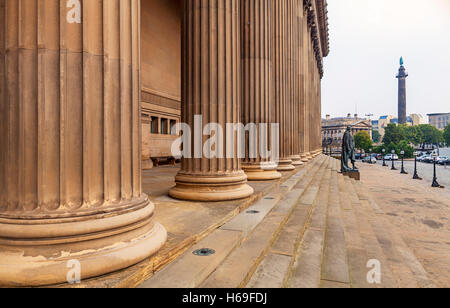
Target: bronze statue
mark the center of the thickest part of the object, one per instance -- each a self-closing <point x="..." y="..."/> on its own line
<point x="348" y="152"/>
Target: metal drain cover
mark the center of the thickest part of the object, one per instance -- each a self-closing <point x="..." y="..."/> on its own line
<point x="253" y="212"/>
<point x="204" y="252"/>
<point x="269" y="198"/>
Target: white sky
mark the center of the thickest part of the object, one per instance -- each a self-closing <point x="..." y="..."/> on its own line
<point x="367" y="38"/>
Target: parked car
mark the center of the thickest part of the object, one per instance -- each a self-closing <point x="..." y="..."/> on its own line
<point x="428" y="159"/>
<point x="443" y="160"/>
<point x="370" y="160"/>
<point x="391" y="157"/>
<point x="379" y="157"/>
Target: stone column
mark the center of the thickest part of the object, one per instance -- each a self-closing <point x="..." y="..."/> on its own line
<point x="70" y="169"/>
<point x="257" y="85"/>
<point x="293" y="82"/>
<point x="211" y="73"/>
<point x="280" y="81"/>
<point x="308" y="103"/>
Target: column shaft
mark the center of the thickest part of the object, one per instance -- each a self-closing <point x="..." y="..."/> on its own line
<point x="293" y="82"/>
<point x="257" y="87"/>
<point x="70" y="114"/>
<point x="280" y="49"/>
<point x="211" y="73"/>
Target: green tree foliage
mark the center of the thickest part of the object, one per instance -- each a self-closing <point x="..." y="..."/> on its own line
<point x="394" y="134"/>
<point x="363" y="141"/>
<point x="376" y="136"/>
<point x="431" y="135"/>
<point x="447" y="135"/>
<point x="405" y="146"/>
<point x="414" y="135"/>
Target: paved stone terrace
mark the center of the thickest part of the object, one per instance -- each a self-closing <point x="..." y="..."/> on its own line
<point x="421" y="215"/>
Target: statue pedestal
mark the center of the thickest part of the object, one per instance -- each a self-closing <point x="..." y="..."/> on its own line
<point x="353" y="175"/>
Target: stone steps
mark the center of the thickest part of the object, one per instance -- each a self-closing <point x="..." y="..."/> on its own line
<point x="319" y="229"/>
<point x="346" y="231"/>
<point x="306" y="263"/>
<point x="251" y="229"/>
<point x="239" y="267"/>
<point x="275" y="266"/>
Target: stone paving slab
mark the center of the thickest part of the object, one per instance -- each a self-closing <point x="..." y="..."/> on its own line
<point x="420" y="216"/>
<point x="189" y="270"/>
<point x="271" y="272"/>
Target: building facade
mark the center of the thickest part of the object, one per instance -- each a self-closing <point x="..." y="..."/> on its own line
<point x="90" y="88"/>
<point x="439" y="120"/>
<point x="333" y="130"/>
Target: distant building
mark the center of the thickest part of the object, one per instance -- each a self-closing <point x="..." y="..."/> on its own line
<point x="381" y="124"/>
<point x="439" y="120"/>
<point x="333" y="130"/>
<point x="417" y="119"/>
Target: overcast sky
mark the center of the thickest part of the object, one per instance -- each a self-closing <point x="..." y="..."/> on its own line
<point x="367" y="39"/>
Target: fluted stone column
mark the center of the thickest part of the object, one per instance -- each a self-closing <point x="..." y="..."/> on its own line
<point x="293" y="82"/>
<point x="70" y="182"/>
<point x="303" y="128"/>
<point x="308" y="85"/>
<point x="211" y="73"/>
<point x="280" y="60"/>
<point x="257" y="84"/>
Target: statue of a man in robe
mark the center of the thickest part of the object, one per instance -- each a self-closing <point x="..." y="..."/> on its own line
<point x="348" y="152"/>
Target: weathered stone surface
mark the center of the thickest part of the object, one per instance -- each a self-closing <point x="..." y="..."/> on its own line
<point x="271" y="272"/>
<point x="189" y="270"/>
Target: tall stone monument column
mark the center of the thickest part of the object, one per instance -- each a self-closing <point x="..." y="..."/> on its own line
<point x="280" y="60"/>
<point x="257" y="85"/>
<point x="211" y="91"/>
<point x="402" y="75"/>
<point x="70" y="173"/>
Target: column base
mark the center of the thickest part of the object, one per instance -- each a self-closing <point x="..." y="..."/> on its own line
<point x="285" y="165"/>
<point x="203" y="188"/>
<point x="296" y="160"/>
<point x="46" y="251"/>
<point x="304" y="158"/>
<point x="264" y="171"/>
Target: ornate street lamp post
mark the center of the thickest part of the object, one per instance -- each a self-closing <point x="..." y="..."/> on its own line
<point x="370" y="156"/>
<point x="384" y="158"/>
<point x="392" y="158"/>
<point x="403" y="165"/>
<point x="416" y="175"/>
<point x="435" y="182"/>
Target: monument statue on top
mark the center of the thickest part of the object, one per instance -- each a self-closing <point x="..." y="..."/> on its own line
<point x="348" y="152"/>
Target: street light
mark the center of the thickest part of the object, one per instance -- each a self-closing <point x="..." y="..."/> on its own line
<point x="416" y="175"/>
<point x="370" y="156"/>
<point x="392" y="158"/>
<point x="435" y="182"/>
<point x="403" y="165"/>
<point x="384" y="158"/>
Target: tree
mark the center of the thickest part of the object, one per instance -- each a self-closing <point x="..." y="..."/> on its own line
<point x="376" y="136"/>
<point x="363" y="141"/>
<point x="394" y="134"/>
<point x="431" y="135"/>
<point x="414" y="135"/>
<point x="447" y="135"/>
<point x="404" y="146"/>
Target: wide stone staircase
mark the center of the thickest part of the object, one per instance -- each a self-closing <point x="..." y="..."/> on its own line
<point x="319" y="229"/>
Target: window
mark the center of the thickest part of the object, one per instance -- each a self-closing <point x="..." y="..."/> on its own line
<point x="154" y="126"/>
<point x="172" y="127"/>
<point x="164" y="127"/>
